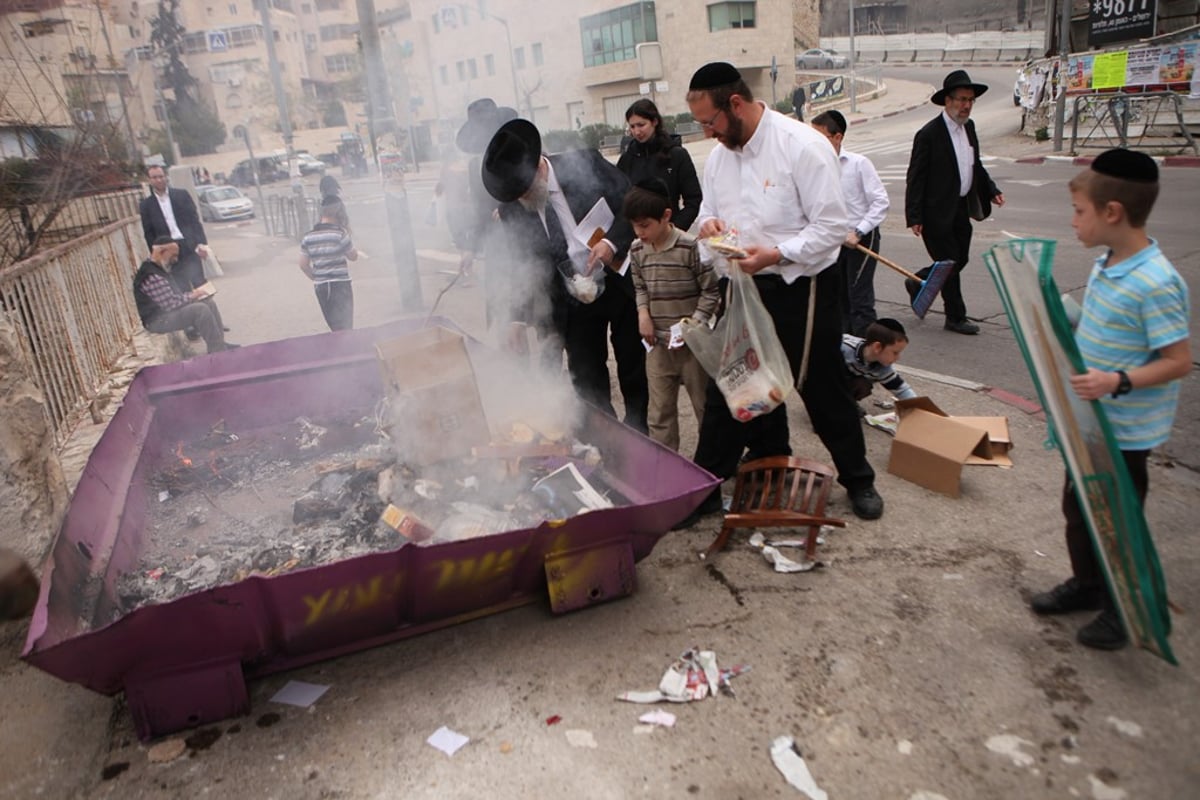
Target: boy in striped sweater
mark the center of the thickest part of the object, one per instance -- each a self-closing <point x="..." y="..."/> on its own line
<point x="871" y="359"/>
<point x="1133" y="336"/>
<point x="324" y="255"/>
<point x="669" y="284"/>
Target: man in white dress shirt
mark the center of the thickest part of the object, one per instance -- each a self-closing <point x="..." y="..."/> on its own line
<point x="776" y="181"/>
<point x="867" y="206"/>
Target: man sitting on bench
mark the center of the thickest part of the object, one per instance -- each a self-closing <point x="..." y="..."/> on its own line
<point x="163" y="308"/>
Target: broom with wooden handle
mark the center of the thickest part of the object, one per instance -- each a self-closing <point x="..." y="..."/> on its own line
<point x="939" y="271"/>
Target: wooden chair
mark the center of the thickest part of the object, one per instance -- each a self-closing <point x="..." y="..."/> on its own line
<point x="779" y="492"/>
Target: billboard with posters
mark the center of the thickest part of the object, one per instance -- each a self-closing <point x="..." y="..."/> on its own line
<point x="1111" y="21"/>
<point x="1174" y="66"/>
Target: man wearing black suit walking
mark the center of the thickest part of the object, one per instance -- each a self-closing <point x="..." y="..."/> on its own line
<point x="947" y="187"/>
<point x="543" y="198"/>
<point x="171" y="212"/>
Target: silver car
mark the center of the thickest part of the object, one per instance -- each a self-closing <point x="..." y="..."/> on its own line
<point x="818" y="58"/>
<point x="220" y="203"/>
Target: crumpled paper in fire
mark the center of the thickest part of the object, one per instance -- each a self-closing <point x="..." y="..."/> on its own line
<point x="693" y="676"/>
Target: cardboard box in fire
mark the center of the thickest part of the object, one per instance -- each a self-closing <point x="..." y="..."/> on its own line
<point x="436" y="410"/>
<point x="931" y="446"/>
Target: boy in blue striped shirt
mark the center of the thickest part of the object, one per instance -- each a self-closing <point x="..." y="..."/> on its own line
<point x="325" y="253"/>
<point x="1133" y="336"/>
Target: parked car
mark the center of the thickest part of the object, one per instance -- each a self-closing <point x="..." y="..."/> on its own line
<point x="222" y="203"/>
<point x="819" y="58"/>
<point x="269" y="169"/>
<point x="310" y="164"/>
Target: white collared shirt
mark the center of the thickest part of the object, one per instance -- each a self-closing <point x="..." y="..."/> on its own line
<point x="164" y="202"/>
<point x="782" y="189"/>
<point x="865" y="196"/>
<point x="963" y="152"/>
<point x="577" y="250"/>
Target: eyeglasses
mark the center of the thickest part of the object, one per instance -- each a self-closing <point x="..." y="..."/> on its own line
<point x="712" y="121"/>
<point x="961" y="100"/>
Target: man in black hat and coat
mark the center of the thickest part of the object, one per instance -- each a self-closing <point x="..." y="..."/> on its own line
<point x="946" y="188"/>
<point x="543" y="199"/>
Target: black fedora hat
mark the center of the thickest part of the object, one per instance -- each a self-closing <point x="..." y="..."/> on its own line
<point x="483" y="118"/>
<point x="510" y="162"/>
<point x="958" y="79"/>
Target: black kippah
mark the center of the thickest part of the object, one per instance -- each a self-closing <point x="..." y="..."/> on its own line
<point x="163" y="240"/>
<point x="891" y="325"/>
<point x="1128" y="165"/>
<point x="837" y="118"/>
<point x="718" y="73"/>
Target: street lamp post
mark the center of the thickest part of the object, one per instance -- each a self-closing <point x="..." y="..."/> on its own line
<point x="853" y="84"/>
<point x="512" y="63"/>
<point x="162" y="101"/>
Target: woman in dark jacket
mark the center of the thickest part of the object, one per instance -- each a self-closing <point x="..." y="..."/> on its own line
<point x="654" y="153"/>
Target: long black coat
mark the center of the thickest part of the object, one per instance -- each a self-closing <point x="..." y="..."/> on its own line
<point x="931" y="192"/>
<point x="154" y="224"/>
<point x="674" y="168"/>
<point x="584" y="176"/>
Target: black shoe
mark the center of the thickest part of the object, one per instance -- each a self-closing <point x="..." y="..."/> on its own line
<point x="1068" y="596"/>
<point x="225" y="328"/>
<point x="192" y="335"/>
<point x="1105" y="632"/>
<point x="866" y="502"/>
<point x="710" y="505"/>
<point x="961" y="326"/>
<point x="913" y="288"/>
<point x="231" y="346"/>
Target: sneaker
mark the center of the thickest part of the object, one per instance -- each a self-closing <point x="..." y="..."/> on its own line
<point x="866" y="502"/>
<point x="961" y="326"/>
<point x="1105" y="632"/>
<point x="1068" y="596"/>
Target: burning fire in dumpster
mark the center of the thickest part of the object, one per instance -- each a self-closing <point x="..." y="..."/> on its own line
<point x="230" y="505"/>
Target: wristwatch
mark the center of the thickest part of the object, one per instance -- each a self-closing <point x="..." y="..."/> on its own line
<point x="1124" y="385"/>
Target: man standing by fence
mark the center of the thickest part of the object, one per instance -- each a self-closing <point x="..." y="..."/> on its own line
<point x="171" y="212"/>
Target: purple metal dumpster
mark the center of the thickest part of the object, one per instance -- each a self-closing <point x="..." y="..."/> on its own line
<point x="185" y="662"/>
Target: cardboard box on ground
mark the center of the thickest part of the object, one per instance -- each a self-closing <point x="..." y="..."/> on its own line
<point x="931" y="446"/>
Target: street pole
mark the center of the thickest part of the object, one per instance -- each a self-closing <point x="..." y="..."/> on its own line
<point x="285" y="122"/>
<point x="1064" y="46"/>
<point x="512" y="64"/>
<point x="853" y="84"/>
<point x="133" y="143"/>
<point x="262" y="203"/>
<point x="162" y="101"/>
<point x="380" y="114"/>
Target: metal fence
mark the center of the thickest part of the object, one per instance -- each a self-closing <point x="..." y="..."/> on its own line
<point x="29" y="228"/>
<point x="73" y="309"/>
<point x="291" y="215"/>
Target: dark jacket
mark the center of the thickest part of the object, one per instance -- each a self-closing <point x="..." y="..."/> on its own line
<point x="585" y="176"/>
<point x="931" y="192"/>
<point x="146" y="307"/>
<point x="154" y="224"/>
<point x="674" y="168"/>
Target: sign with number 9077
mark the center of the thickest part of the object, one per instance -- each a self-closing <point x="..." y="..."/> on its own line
<point x="1120" y="20"/>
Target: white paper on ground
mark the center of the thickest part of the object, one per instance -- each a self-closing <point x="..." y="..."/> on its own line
<point x="658" y="717"/>
<point x="789" y="762"/>
<point x="581" y="738"/>
<point x="446" y="740"/>
<point x="299" y="693"/>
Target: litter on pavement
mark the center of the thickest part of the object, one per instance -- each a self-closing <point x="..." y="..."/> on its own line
<point x="446" y="740"/>
<point x="777" y="559"/>
<point x="693" y="676"/>
<point x="788" y="761"/>
<point x="299" y="693"/>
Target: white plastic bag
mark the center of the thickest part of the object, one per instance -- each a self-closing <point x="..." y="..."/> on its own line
<point x="742" y="352"/>
<point x="212" y="267"/>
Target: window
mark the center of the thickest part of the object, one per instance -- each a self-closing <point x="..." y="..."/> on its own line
<point x="444" y="74"/>
<point x="612" y="36"/>
<point x="195" y="42"/>
<point x="535" y="50"/>
<point x="234" y="100"/>
<point x="310" y="43"/>
<point x="437" y="23"/>
<point x="233" y="9"/>
<point x="306" y="8"/>
<point x="328" y="5"/>
<point x="519" y="58"/>
<point x="472" y="68"/>
<point x="461" y="68"/>
<point x="489" y="64"/>
<point x="723" y="16"/>
<point x="244" y="35"/>
<point x="342" y="62"/>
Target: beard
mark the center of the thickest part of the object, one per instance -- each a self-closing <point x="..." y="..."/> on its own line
<point x="536" y="196"/>
<point x="735" y="133"/>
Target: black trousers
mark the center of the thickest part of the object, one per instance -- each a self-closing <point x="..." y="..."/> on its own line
<point x="826" y="393"/>
<point x="1084" y="563"/>
<point x="587" y="330"/>
<point x="950" y="239"/>
<point x="336" y="299"/>
<point x="857" y="271"/>
<point x="188" y="272"/>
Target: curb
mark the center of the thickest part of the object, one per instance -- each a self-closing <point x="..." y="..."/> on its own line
<point x="1083" y="161"/>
